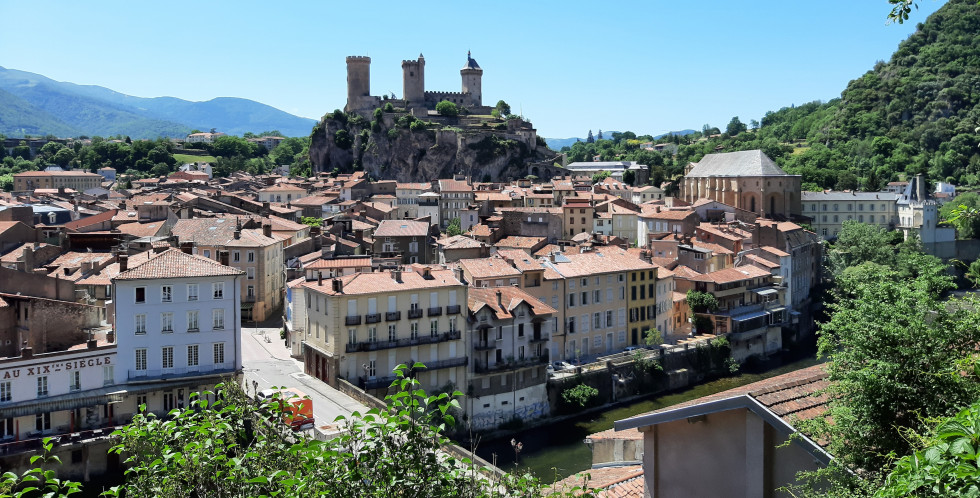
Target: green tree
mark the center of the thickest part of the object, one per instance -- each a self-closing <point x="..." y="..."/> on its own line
<point x="963" y="212"/>
<point x="343" y="139"/>
<point x="701" y="302"/>
<point x="861" y="242"/>
<point x="895" y="348"/>
<point x="502" y="108"/>
<point x="600" y="176"/>
<point x="447" y="108"/>
<point x="629" y="176"/>
<point x="312" y="221"/>
<point x="454" y="228"/>
<point x="735" y="126"/>
<point x="580" y="395"/>
<point x="234" y="446"/>
<point x="846" y="181"/>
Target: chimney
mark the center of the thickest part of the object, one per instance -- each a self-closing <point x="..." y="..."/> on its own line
<point x="123" y="263"/>
<point x="92" y="343"/>
<point x="338" y="285"/>
<point x="920" y="187"/>
<point x="28" y="257"/>
<point x="265" y="208"/>
<point x="27" y="352"/>
<point x="396" y="275"/>
<point x="267" y="230"/>
<point x="238" y="233"/>
<point x="500" y="300"/>
<point x="319" y="278"/>
<point x="427" y="273"/>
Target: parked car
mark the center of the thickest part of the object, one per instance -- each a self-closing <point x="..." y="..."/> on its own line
<point x="297" y="407"/>
<point x="558" y="366"/>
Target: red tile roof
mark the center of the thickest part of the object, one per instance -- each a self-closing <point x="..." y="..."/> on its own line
<point x="402" y="228"/>
<point x="510" y="298"/>
<point x="174" y="263"/>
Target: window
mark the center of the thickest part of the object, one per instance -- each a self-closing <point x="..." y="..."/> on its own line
<point x="250" y="273"/>
<point x="192" y="323"/>
<point x="609" y="319"/>
<point x="434" y="328"/>
<point x="140" y="324"/>
<point x="207" y="253"/>
<point x="141" y="401"/>
<point x="168" y="401"/>
<point x="5" y="393"/>
<point x="392" y="333"/>
<point x="372" y="334"/>
<point x="219" y="353"/>
<point x="860" y="207"/>
<point x="554" y="285"/>
<point x="250" y="292"/>
<point x="597" y="296"/>
<point x="823" y="218"/>
<point x="850" y="207"/>
<point x="836" y="207"/>
<point x="166" y="322"/>
<point x="166" y="294"/>
<point x="236" y="256"/>
<point x="571" y="300"/>
<point x="571" y="324"/>
<point x="823" y="232"/>
<point x="192" y="292"/>
<point x="415" y="330"/>
<point x="42" y="422"/>
<point x="372" y="369"/>
<point x="835" y="218"/>
<point x="251" y="256"/>
<point x="218" y="319"/>
<point x="218" y="290"/>
<point x="585" y="298"/>
<point x="140" y="295"/>
<point x="192" y="355"/>
<point x="351" y="336"/>
<point x="597" y="320"/>
<point x="141" y="359"/>
<point x="167" y="353"/>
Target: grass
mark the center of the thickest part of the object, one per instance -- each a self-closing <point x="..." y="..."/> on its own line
<point x="187" y="158"/>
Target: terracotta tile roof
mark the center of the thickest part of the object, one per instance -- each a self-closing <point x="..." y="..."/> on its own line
<point x="480" y="230"/>
<point x="520" y="259"/>
<point x="459" y="242"/>
<point x="219" y="232"/>
<point x="774" y="251"/>
<point x="413" y="186"/>
<point x="73" y="259"/>
<point x="729" y="275"/>
<point x="103" y="277"/>
<point x="454" y="186"/>
<point x="761" y="262"/>
<point x="715" y="248"/>
<point x="14" y="255"/>
<point x="174" y="263"/>
<point x="520" y="242"/>
<point x="141" y="229"/>
<point x="665" y="214"/>
<point x="546" y="250"/>
<point x="625" y="481"/>
<point x="283" y="188"/>
<point x="686" y="272"/>
<point x="402" y="228"/>
<point x="338" y="263"/>
<point x="610" y="260"/>
<point x="489" y="268"/>
<point x="510" y="298"/>
<point x="791" y="396"/>
<point x="383" y="282"/>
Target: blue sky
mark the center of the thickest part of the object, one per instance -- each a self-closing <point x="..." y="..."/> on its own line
<point x="647" y="67"/>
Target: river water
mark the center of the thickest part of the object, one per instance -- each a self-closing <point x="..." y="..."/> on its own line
<point x="557" y="451"/>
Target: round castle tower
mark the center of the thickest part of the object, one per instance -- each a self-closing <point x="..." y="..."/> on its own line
<point x="358" y="80"/>
<point x="413" y="81"/>
<point x="472" y="76"/>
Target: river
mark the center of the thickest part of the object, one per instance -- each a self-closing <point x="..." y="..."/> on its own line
<point x="557" y="451"/>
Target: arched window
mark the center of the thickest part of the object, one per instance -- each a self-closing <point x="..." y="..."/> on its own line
<point x="772" y="205"/>
<point x="752" y="205"/>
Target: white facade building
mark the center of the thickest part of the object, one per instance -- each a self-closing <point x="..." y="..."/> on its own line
<point x="177" y="317"/>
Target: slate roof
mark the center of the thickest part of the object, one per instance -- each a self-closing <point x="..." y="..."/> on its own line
<point x="741" y="163"/>
<point x="178" y="264"/>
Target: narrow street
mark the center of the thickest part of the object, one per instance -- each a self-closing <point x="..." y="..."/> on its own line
<point x="266" y="361"/>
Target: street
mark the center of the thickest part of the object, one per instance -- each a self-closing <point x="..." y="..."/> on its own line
<point x="266" y="361"/>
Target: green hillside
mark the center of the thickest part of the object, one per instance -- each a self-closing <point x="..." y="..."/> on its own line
<point x="19" y="118"/>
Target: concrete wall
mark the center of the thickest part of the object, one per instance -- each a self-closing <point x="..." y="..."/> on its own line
<point x="28" y="284"/>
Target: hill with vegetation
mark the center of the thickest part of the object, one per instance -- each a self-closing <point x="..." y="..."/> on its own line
<point x="45" y="106"/>
<point x="393" y="144"/>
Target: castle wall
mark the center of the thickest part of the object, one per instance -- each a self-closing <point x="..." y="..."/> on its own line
<point x="413" y="81"/>
<point x="358" y="82"/>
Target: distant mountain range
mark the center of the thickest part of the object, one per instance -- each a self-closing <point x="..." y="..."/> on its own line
<point x="36" y="105"/>
<point x="558" y="143"/>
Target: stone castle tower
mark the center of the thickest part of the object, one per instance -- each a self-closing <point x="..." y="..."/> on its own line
<point x="415" y="97"/>
<point x="413" y="81"/>
<point x="472" y="76"/>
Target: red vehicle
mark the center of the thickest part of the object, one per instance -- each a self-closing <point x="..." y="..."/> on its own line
<point x="297" y="407"/>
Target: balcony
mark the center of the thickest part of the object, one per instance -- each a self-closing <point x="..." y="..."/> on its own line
<point x="173" y="373"/>
<point x="352" y="320"/>
<point x="480" y="367"/>
<point x="384" y="382"/>
<point x="485" y="345"/>
<point x="248" y="299"/>
<point x="415" y="313"/>
<point x="393" y="316"/>
<point x="372" y="318"/>
<point x="435" y="311"/>
<point x="452" y="309"/>
<point x="365" y="346"/>
<point x="539" y="337"/>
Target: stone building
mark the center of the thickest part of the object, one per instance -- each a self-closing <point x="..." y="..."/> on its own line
<point x="745" y="179"/>
<point x="414" y="95"/>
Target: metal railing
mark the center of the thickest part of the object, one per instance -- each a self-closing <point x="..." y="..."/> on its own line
<point x="352" y="320"/>
<point x="362" y="346"/>
<point x="539" y="337"/>
<point x="452" y="309"/>
<point x="416" y="313"/>
<point x="170" y="373"/>
<point x="372" y="318"/>
<point x="435" y="311"/>
<point x="392" y="316"/>
<point x="510" y="365"/>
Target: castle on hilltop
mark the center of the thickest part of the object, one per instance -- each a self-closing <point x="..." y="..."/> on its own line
<point x="414" y="96"/>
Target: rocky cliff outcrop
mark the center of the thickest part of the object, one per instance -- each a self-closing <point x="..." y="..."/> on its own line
<point x="397" y="146"/>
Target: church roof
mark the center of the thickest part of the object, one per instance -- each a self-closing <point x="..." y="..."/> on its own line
<point x="741" y="163"/>
<point x="470" y="62"/>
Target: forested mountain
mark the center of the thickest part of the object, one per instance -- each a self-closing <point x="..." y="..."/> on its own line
<point x="918" y="112"/>
<point x="40" y="105"/>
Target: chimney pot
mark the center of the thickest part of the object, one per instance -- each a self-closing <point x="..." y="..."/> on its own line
<point x="500" y="300"/>
<point x="27" y="352"/>
<point x="319" y="278"/>
<point x="123" y="263"/>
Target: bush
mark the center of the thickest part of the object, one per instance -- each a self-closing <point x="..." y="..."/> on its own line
<point x="581" y="395"/>
<point x="447" y="108"/>
<point x="389" y="108"/>
<point x="417" y="125"/>
<point x="343" y="139"/>
<point x="393" y="134"/>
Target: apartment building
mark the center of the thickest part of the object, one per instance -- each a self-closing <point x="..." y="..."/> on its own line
<point x="456" y="201"/>
<point x="256" y="251"/>
<point x="361" y="326"/>
<point x="79" y="181"/>
<point x="407" y="199"/>
<point x="577" y="215"/>
<point x="510" y="331"/>
<point x="829" y="210"/>
<point x="408" y="240"/>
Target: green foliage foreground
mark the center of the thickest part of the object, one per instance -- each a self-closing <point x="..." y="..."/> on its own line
<point x="224" y="445"/>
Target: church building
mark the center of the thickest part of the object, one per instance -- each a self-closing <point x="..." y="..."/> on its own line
<point x="747" y="179"/>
